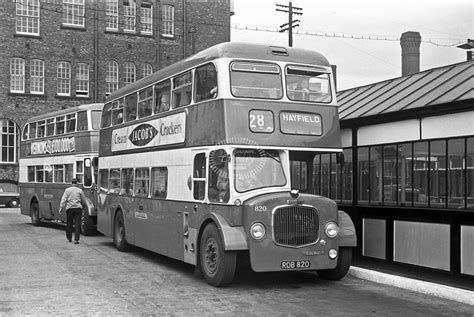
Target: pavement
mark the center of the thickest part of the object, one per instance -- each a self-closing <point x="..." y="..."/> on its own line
<point x="428" y="288"/>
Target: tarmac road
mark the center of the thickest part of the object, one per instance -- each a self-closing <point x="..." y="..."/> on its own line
<point x="43" y="274"/>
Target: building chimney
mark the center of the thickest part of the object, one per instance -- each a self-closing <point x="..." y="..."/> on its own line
<point x="410" y="42"/>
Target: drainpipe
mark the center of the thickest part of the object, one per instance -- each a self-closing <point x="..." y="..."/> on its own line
<point x="184" y="28"/>
<point x="96" y="53"/>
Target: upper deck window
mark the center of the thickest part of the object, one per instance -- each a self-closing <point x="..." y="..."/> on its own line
<point x="308" y="84"/>
<point x="206" y="83"/>
<point x="106" y="120"/>
<point x="182" y="87"/>
<point x="256" y="80"/>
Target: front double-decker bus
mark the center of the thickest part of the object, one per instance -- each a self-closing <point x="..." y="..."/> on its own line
<point x="56" y="147"/>
<point x="202" y="160"/>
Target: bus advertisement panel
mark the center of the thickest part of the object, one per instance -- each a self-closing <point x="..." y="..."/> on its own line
<point x="196" y="162"/>
<point x="55" y="147"/>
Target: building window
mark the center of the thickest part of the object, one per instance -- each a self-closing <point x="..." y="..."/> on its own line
<point x="130" y="73"/>
<point x="82" y="78"/>
<point x="73" y="12"/>
<point x="420" y="173"/>
<point x="27" y="17"/>
<point x="405" y="173"/>
<point x="167" y="17"/>
<point x="470" y="173"/>
<point x="64" y="79"/>
<point x="37" y="76"/>
<point x="456" y="177"/>
<point x="437" y="176"/>
<point x="8" y="141"/>
<point x="147" y="69"/>
<point x="146" y="18"/>
<point x="111" y="77"/>
<point x="129" y="12"/>
<point x="17" y="75"/>
<point x="111" y="8"/>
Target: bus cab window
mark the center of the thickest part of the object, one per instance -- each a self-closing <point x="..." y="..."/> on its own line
<point x="87" y="172"/>
<point x="218" y="190"/>
<point x="82" y="121"/>
<point x="206" y="83"/>
<point x="130" y="107"/>
<point x="199" y="183"/>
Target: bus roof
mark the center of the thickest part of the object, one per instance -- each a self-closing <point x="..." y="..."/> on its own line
<point x="92" y="106"/>
<point x="228" y="50"/>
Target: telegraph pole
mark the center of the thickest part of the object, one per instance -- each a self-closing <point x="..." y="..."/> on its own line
<point x="290" y="9"/>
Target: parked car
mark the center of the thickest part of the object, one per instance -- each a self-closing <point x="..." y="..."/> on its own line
<point x="9" y="194"/>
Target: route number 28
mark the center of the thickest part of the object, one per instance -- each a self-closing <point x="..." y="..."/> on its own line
<point x="261" y="121"/>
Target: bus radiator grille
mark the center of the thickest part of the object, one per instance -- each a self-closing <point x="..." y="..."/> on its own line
<point x="295" y="226"/>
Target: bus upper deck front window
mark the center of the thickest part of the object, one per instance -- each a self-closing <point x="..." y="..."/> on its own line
<point x="255" y="169"/>
<point x="256" y="80"/>
<point x="308" y="84"/>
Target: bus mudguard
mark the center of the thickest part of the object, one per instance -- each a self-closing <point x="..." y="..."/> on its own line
<point x="234" y="237"/>
<point x="347" y="233"/>
<point x="91" y="210"/>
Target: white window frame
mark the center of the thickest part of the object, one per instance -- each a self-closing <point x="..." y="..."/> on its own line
<point x="28" y="17"/>
<point x="130" y="73"/>
<point x="112" y="75"/>
<point x="73" y="13"/>
<point x="9" y="135"/>
<point x="129" y="16"/>
<point x="112" y="16"/>
<point x="167" y="15"/>
<point x="17" y="75"/>
<point x="147" y="69"/>
<point x="146" y="18"/>
<point x="37" y="77"/>
<point x="82" y="78"/>
<point x="64" y="78"/>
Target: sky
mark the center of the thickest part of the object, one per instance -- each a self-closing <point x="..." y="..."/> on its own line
<point x="442" y="24"/>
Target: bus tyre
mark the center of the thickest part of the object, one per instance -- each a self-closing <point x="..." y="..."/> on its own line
<point x="217" y="265"/>
<point x="87" y="224"/>
<point x="343" y="264"/>
<point x="34" y="213"/>
<point x="119" y="233"/>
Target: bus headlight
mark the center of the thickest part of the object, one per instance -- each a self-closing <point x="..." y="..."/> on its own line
<point x="332" y="229"/>
<point x="332" y="254"/>
<point x="257" y="231"/>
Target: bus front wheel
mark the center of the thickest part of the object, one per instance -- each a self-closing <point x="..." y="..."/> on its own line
<point x="34" y="213"/>
<point x="344" y="260"/>
<point x="217" y="265"/>
<point x="119" y="233"/>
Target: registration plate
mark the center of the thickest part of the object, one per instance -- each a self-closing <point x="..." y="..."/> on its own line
<point x="292" y="265"/>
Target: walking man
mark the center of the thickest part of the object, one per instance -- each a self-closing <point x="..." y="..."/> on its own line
<point x="73" y="201"/>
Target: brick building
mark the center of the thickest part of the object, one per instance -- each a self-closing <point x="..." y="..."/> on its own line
<point x="60" y="53"/>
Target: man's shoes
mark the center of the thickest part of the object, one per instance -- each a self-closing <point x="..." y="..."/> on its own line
<point x="69" y="240"/>
<point x="76" y="242"/>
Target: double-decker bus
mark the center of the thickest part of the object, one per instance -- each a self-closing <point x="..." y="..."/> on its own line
<point x="205" y="159"/>
<point x="54" y="148"/>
